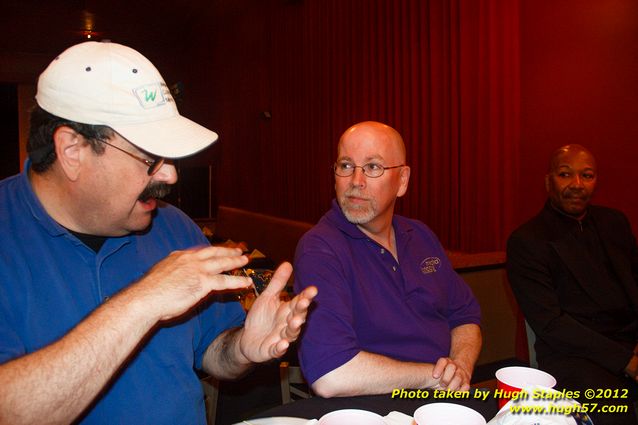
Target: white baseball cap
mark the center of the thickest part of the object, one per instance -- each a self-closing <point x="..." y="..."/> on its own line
<point x="110" y="84"/>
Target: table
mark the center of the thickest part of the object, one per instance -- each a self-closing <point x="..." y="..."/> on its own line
<point x="315" y="407"/>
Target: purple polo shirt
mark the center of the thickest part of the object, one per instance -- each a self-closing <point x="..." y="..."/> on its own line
<point x="368" y="301"/>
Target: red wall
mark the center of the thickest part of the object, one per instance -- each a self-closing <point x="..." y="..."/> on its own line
<point x="237" y="58"/>
<point x="579" y="84"/>
<point x="445" y="74"/>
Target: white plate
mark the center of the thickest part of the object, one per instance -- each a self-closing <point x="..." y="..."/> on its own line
<point x="276" y="420"/>
<point x="393" y="418"/>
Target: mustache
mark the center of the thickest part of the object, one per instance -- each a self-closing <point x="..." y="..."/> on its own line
<point x="356" y="193"/>
<point x="155" y="190"/>
<point x="575" y="193"/>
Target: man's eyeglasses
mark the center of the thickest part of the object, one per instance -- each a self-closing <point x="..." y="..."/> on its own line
<point x="153" y="164"/>
<point x="371" y="169"/>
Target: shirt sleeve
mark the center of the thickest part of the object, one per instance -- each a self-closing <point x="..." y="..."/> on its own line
<point x="217" y="313"/>
<point x="463" y="308"/>
<point x="11" y="346"/>
<point x="214" y="318"/>
<point x="329" y="339"/>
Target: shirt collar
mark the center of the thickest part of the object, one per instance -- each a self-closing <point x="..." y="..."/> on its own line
<point x="567" y="216"/>
<point x="339" y="220"/>
<point x="35" y="206"/>
<point x="570" y="222"/>
<point x="36" y="209"/>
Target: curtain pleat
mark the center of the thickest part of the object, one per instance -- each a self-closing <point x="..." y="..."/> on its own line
<point x="444" y="73"/>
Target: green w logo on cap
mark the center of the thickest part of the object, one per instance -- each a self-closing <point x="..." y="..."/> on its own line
<point x="150" y="95"/>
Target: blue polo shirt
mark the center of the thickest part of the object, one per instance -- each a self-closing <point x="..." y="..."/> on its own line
<point x="50" y="281"/>
<point x="368" y="301"/>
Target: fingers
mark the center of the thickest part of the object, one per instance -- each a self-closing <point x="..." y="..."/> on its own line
<point x="288" y="335"/>
<point x="293" y="328"/>
<point x="295" y="312"/>
<point x="455" y="379"/>
<point x="451" y="376"/>
<point x="216" y="251"/>
<point x="204" y="266"/>
<point x="307" y="295"/>
<point x="279" y="279"/>
<point x="439" y="367"/>
<point x="223" y="282"/>
<point x="216" y="260"/>
<point x="451" y="380"/>
<point x="183" y="278"/>
<point x="301" y="302"/>
<point x="298" y="312"/>
<point x="272" y="324"/>
<point x="280" y="348"/>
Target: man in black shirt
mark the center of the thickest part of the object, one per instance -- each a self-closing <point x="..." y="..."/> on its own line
<point x="574" y="271"/>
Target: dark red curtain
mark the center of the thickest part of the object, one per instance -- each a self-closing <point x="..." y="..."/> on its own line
<point x="285" y="78"/>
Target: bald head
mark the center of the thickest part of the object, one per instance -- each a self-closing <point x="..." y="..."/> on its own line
<point x="571" y="179"/>
<point x="370" y="173"/>
<point x="572" y="150"/>
<point x="382" y="137"/>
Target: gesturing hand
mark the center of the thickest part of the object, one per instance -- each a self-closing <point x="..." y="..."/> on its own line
<point x="182" y="279"/>
<point x="272" y="324"/>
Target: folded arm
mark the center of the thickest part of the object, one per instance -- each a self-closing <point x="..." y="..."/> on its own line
<point x="455" y="372"/>
<point x="369" y="373"/>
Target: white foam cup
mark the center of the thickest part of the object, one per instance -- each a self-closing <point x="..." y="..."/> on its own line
<point x="447" y="414"/>
<point x="351" y="417"/>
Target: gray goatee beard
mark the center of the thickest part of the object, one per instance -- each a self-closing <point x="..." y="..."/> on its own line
<point x="357" y="214"/>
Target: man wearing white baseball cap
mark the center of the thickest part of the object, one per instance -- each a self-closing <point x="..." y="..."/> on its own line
<point x="105" y="306"/>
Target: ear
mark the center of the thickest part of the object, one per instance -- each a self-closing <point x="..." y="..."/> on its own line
<point x="68" y="150"/>
<point x="547" y="177"/>
<point x="405" y="179"/>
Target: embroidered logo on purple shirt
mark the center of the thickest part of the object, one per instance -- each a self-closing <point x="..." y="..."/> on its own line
<point x="430" y="265"/>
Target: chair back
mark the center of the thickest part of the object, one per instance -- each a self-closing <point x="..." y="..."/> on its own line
<point x="292" y="383"/>
<point x="531" y="340"/>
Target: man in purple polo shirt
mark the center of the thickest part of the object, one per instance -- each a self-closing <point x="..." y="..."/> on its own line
<point x="391" y="312"/>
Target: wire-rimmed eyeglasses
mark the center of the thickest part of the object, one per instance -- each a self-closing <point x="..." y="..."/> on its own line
<point x="371" y="169"/>
<point x="153" y="164"/>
